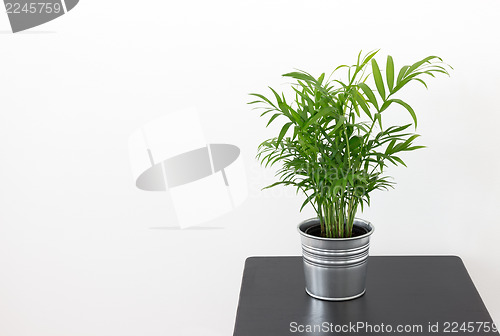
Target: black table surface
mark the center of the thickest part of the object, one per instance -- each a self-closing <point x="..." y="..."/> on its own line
<point x="405" y="295"/>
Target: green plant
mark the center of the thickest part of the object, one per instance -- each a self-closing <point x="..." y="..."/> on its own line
<point x="333" y="146"/>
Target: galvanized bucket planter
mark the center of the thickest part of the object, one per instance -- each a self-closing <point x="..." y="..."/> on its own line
<point x="335" y="268"/>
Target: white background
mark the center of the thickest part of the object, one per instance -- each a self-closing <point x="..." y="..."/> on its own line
<point x="83" y="252"/>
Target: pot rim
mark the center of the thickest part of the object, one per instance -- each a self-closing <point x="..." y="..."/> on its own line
<point x="315" y="219"/>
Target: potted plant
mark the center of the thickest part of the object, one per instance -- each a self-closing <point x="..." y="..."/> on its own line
<point x="333" y="147"/>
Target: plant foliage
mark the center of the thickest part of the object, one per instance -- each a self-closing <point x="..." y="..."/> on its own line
<point x="332" y="145"/>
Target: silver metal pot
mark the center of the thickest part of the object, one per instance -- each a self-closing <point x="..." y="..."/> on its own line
<point x="335" y="268"/>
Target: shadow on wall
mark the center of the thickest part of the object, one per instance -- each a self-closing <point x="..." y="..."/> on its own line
<point x="204" y="180"/>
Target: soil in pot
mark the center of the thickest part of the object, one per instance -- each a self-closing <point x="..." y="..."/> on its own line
<point x="316" y="231"/>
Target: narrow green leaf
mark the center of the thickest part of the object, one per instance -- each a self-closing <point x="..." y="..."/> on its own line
<point x="378" y="79"/>
<point x="368" y="57"/>
<point x="390" y="147"/>
<point x="300" y="75"/>
<point x="323" y="112"/>
<point x="276" y="95"/>
<point x="386" y="104"/>
<point x="414" y="147"/>
<point x="267" y="111"/>
<point x="350" y="179"/>
<point x="355" y="142"/>
<point x="379" y="118"/>
<point x="356" y="106"/>
<point x="369" y="94"/>
<point x="359" y="57"/>
<point x="401" y="74"/>
<point x="419" y="63"/>
<point x="340" y="122"/>
<point x="408" y="141"/>
<point x="408" y="107"/>
<point x="340" y="67"/>
<point x="308" y="199"/>
<point x="390" y="73"/>
<point x="361" y="102"/>
<point x="398" y="160"/>
<point x="273" y="185"/>
<point x="429" y="72"/>
<point x="320" y="79"/>
<point x="396" y="129"/>
<point x="276" y="115"/>
<point x="421" y="81"/>
<point x="263" y="98"/>
<point x="403" y="82"/>
<point x="283" y="131"/>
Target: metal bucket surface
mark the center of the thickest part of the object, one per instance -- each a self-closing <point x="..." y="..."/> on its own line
<point x="335" y="268"/>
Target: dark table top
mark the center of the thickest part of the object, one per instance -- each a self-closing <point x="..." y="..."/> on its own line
<point x="426" y="295"/>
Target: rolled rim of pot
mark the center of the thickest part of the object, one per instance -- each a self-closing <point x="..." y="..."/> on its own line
<point x="304" y="225"/>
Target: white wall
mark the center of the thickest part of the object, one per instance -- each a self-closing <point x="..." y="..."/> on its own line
<point x="78" y="255"/>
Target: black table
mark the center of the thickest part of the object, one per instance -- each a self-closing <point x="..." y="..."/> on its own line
<point x="405" y="295"/>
